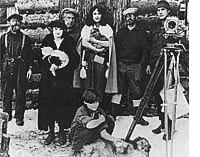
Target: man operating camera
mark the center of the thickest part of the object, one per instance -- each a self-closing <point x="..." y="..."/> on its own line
<point x="157" y="38"/>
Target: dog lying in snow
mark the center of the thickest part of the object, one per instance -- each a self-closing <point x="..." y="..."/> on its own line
<point x="141" y="144"/>
<point x="139" y="147"/>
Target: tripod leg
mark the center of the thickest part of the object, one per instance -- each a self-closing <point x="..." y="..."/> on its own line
<point x="148" y="93"/>
<point x="176" y="68"/>
<point x="165" y="100"/>
<point x="150" y="86"/>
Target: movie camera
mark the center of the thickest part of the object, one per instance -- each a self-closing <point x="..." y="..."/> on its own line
<point x="173" y="33"/>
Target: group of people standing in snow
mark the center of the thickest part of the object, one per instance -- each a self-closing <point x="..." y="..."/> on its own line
<point x="92" y="59"/>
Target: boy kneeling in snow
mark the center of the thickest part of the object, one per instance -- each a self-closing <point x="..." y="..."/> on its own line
<point x="91" y="123"/>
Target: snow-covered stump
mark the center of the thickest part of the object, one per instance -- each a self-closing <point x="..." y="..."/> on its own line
<point x="102" y="148"/>
<point x="4" y="138"/>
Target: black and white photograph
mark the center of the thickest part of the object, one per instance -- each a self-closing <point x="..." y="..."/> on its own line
<point x="96" y="78"/>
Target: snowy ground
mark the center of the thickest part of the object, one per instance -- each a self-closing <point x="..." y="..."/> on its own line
<point x="181" y="137"/>
<point x="27" y="141"/>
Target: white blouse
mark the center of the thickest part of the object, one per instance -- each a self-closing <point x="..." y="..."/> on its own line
<point x="104" y="30"/>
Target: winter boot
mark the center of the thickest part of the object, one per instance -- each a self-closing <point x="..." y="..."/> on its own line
<point x="50" y="138"/>
<point x="143" y="122"/>
<point x="158" y="130"/>
<point x="62" y="136"/>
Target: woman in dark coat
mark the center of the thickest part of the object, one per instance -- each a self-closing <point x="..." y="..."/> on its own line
<point x="57" y="80"/>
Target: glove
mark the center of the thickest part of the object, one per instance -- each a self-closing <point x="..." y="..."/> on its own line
<point x="96" y="115"/>
<point x="55" y="60"/>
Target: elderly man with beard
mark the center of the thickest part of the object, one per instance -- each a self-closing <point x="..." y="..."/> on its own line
<point x="70" y="17"/>
<point x="16" y="67"/>
<point x="132" y="55"/>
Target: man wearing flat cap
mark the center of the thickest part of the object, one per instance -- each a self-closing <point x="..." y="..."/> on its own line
<point x="157" y="43"/>
<point x="16" y="67"/>
<point x="132" y="54"/>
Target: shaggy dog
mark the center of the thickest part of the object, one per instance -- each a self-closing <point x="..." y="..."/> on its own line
<point x="141" y="144"/>
<point x="139" y="147"/>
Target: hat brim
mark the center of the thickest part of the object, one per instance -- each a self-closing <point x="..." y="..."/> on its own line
<point x="69" y="10"/>
<point x="130" y="11"/>
<point x="62" y="56"/>
<point x="15" y="16"/>
<point x="57" y="23"/>
<point x="163" y="4"/>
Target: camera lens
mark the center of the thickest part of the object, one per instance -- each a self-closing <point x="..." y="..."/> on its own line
<point x="171" y="24"/>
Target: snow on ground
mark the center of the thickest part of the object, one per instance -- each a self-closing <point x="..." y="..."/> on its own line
<point x="181" y="137"/>
<point x="27" y="140"/>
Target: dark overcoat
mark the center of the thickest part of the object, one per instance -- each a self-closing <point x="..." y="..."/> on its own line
<point x="55" y="91"/>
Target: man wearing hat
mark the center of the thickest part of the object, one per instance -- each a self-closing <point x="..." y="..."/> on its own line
<point x="158" y="42"/>
<point x="16" y="62"/>
<point x="70" y="17"/>
<point x="132" y="54"/>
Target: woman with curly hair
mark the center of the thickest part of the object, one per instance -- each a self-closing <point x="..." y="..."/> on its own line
<point x="98" y="53"/>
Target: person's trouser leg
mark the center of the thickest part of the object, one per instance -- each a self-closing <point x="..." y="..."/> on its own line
<point x="111" y="123"/>
<point x="161" y="116"/>
<point x="79" y="136"/>
<point x="134" y="76"/>
<point x="135" y="86"/>
<point x="135" y="81"/>
<point x="158" y="103"/>
<point x="7" y="93"/>
<point x="51" y="124"/>
<point x="62" y="118"/>
<point x="20" y="100"/>
<point x="122" y="86"/>
<point x="121" y="79"/>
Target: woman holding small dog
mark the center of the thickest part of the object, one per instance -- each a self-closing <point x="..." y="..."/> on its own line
<point x="59" y="60"/>
<point x="98" y="53"/>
